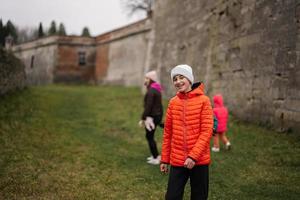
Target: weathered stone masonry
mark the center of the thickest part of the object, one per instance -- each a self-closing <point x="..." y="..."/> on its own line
<point x="121" y="54"/>
<point x="246" y="50"/>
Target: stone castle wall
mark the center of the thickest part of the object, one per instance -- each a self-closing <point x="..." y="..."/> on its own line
<point x="39" y="58"/>
<point x="121" y="54"/>
<point x="117" y="57"/>
<point x="246" y="50"/>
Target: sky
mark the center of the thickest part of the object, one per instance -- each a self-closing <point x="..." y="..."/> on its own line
<point x="99" y="16"/>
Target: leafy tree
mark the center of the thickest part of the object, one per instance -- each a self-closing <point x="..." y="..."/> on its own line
<point x="41" y="31"/>
<point x="26" y="34"/>
<point x="134" y="6"/>
<point x="61" y="29"/>
<point x="52" y="29"/>
<point x="86" y="32"/>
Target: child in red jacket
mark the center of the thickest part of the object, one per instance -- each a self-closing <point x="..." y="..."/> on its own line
<point x="187" y="134"/>
<point x="221" y="113"/>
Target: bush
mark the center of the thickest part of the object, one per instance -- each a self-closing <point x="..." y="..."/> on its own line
<point x="12" y="72"/>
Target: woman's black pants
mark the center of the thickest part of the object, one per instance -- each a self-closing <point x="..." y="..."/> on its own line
<point x="150" y="137"/>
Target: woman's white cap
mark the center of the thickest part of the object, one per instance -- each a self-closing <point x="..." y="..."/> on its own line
<point x="152" y="75"/>
<point x="184" y="70"/>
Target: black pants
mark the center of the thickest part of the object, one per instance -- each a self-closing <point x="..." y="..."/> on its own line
<point x="198" y="180"/>
<point x="150" y="137"/>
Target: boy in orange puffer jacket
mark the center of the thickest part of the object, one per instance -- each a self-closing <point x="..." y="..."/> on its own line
<point x="187" y="134"/>
<point x="221" y="113"/>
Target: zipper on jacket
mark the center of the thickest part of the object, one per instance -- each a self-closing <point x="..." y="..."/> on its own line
<point x="185" y="127"/>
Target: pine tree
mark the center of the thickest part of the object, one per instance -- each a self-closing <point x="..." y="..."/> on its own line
<point x="2" y="32"/>
<point x="52" y="29"/>
<point x="85" y="32"/>
<point x="41" y="31"/>
<point x="61" y="29"/>
<point x="11" y="30"/>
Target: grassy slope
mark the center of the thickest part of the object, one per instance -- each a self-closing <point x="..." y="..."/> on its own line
<point x="64" y="142"/>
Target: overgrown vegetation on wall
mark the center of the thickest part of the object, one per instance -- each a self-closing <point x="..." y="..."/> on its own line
<point x="12" y="72"/>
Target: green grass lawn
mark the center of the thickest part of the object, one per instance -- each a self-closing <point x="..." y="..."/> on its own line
<point x="83" y="142"/>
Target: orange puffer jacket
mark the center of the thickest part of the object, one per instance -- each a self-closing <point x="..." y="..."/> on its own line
<point x="188" y="128"/>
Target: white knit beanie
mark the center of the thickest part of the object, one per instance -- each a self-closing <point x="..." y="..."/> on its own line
<point x="184" y="70"/>
<point x="152" y="75"/>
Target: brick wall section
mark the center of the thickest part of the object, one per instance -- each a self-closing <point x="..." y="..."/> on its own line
<point x="68" y="69"/>
<point x="102" y="62"/>
<point x="12" y="73"/>
<point x="246" y="50"/>
<point x="102" y="57"/>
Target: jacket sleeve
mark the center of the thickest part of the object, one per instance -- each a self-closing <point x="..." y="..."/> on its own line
<point x="148" y="104"/>
<point x="206" y="127"/>
<point x="167" y="137"/>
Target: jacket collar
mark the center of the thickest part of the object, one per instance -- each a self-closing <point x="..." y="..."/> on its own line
<point x="197" y="90"/>
<point x="156" y="86"/>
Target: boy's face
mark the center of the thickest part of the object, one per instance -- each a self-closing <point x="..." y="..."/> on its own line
<point x="181" y="83"/>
